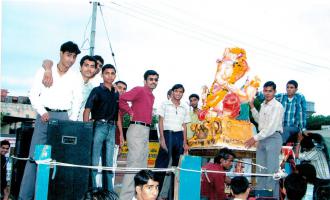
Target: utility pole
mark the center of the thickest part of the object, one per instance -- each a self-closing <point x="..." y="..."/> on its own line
<point x="93" y="29"/>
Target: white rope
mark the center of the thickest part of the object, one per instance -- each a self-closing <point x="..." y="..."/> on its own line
<point x="276" y="176"/>
<point x="223" y="172"/>
<point x="249" y="163"/>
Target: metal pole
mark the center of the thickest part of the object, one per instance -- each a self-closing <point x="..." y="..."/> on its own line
<point x="93" y="29"/>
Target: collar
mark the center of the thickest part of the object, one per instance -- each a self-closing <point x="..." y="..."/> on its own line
<point x="169" y="102"/>
<point x="147" y="88"/>
<point x="271" y="102"/>
<point x="105" y="88"/>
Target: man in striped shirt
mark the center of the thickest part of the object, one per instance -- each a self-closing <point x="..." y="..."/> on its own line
<point x="295" y="110"/>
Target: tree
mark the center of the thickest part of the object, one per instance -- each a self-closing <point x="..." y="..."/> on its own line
<point x="315" y="122"/>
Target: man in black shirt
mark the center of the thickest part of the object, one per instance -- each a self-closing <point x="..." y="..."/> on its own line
<point x="102" y="103"/>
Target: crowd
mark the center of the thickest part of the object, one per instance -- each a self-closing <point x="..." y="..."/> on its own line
<point x="93" y="95"/>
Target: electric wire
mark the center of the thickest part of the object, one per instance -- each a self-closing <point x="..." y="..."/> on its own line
<point x="216" y="38"/>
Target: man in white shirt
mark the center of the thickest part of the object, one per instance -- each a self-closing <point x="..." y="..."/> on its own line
<point x="52" y="103"/>
<point x="269" y="119"/>
<point x="173" y="119"/>
<point x="87" y="72"/>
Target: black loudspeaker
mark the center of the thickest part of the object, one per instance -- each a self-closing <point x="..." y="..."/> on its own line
<point x="71" y="142"/>
<point x="22" y="147"/>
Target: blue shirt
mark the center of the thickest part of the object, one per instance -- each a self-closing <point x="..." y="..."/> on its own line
<point x="294" y="109"/>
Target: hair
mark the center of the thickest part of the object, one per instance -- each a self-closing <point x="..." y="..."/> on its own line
<point x="293" y="82"/>
<point x="321" y="144"/>
<point x="5" y="142"/>
<point x="239" y="184"/>
<point x="223" y="154"/>
<point x="270" y="84"/>
<point x="307" y="143"/>
<point x="70" y="47"/>
<point x="99" y="58"/>
<point x="108" y="66"/>
<point x="177" y="86"/>
<point x="295" y="186"/>
<point x="150" y="73"/>
<point x="292" y="139"/>
<point x="122" y="82"/>
<point x="100" y="194"/>
<point x="194" y="95"/>
<point x="169" y="92"/>
<point x="87" y="57"/>
<point x="307" y="171"/>
<point x="143" y="176"/>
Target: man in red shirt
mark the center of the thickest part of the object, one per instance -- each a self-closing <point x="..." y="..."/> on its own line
<point x="213" y="184"/>
<point x="137" y="135"/>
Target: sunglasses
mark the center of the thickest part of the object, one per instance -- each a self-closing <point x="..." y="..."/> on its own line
<point x="153" y="79"/>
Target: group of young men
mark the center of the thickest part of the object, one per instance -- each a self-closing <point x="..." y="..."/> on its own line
<point x="280" y="117"/>
<point x="59" y="93"/>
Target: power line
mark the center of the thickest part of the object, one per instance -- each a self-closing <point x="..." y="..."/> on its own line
<point x="215" y="35"/>
<point x="200" y="39"/>
<point x="109" y="42"/>
<point x="84" y="38"/>
<point x="185" y="12"/>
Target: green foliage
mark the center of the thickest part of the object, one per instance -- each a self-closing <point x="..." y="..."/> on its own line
<point x="257" y="104"/>
<point x="154" y="121"/>
<point x="315" y="122"/>
<point x="126" y="120"/>
<point x="2" y="115"/>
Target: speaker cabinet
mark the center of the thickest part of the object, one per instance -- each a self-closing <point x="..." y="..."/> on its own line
<point x="22" y="147"/>
<point x="71" y="142"/>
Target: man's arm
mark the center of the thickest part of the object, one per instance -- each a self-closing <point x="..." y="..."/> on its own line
<point x="303" y="113"/>
<point x="77" y="98"/>
<point x="184" y="125"/>
<point x="87" y="111"/>
<point x="185" y="142"/>
<point x="48" y="77"/>
<point x="161" y="133"/>
<point x="161" y="114"/>
<point x="125" y="98"/>
<point x="120" y="129"/>
<point x="89" y="105"/>
<point x="34" y="96"/>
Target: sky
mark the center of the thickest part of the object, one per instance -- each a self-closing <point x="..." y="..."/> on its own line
<point x="180" y="39"/>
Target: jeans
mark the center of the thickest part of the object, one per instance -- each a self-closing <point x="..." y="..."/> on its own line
<point x="103" y="132"/>
<point x="174" y="144"/>
<point x="288" y="132"/>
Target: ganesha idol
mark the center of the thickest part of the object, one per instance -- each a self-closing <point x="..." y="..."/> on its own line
<point x="225" y="112"/>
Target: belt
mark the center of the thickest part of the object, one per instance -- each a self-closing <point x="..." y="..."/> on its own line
<point x="106" y="121"/>
<point x="141" y="123"/>
<point x="169" y="131"/>
<point x="55" y="110"/>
